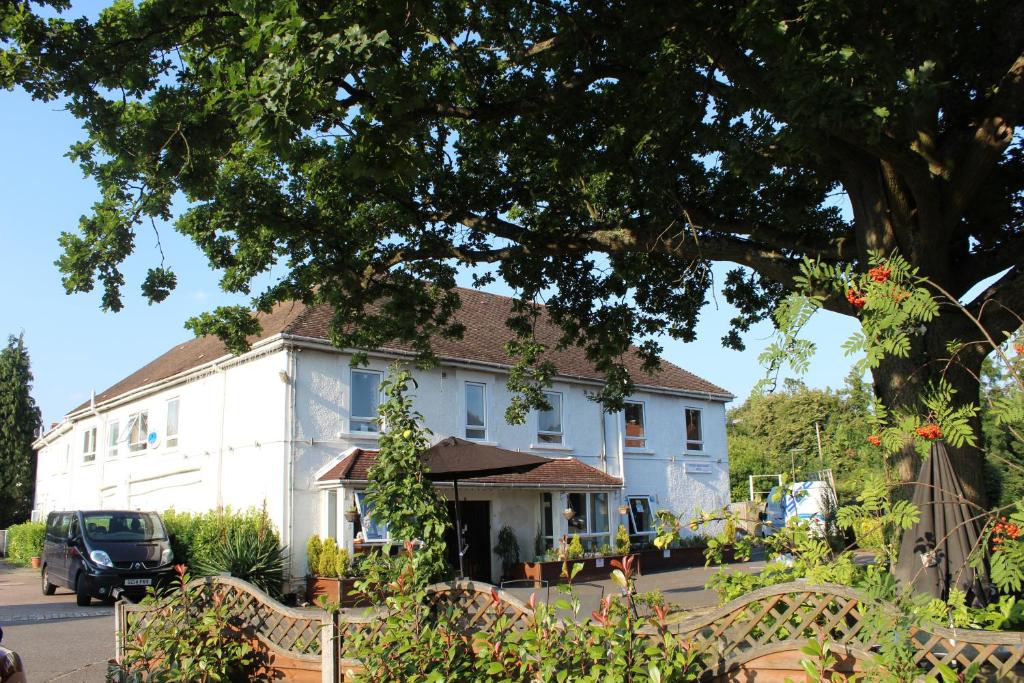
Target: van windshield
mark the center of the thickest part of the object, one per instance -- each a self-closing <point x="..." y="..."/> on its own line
<point x="123" y="526"/>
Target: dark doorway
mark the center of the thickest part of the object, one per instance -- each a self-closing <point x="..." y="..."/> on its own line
<point x="476" y="525"/>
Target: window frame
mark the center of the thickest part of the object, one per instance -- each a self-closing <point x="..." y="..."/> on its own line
<point x="113" y="429"/>
<point x="634" y="529"/>
<point x="171" y="440"/>
<point x="588" y="534"/>
<point x="465" y="413"/>
<point x="560" y="434"/>
<point x="699" y="448"/>
<point x="133" y="420"/>
<point x="626" y="437"/>
<point x="360" y="497"/>
<point x="353" y="419"/>
<point x="89" y="445"/>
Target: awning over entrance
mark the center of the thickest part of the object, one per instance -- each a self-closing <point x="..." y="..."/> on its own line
<point x="551" y="473"/>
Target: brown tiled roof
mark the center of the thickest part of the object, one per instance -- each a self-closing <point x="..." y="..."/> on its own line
<point x="482" y="314"/>
<point x="556" y="472"/>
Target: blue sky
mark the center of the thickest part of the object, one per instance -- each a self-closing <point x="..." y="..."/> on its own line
<point x="77" y="348"/>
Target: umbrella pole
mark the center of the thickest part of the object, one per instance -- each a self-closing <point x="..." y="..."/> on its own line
<point x="458" y="528"/>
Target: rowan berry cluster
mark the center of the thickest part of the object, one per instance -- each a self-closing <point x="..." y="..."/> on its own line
<point x="856" y="298"/>
<point x="880" y="273"/>
<point x="929" y="431"/>
<point x="875" y="440"/>
<point x="1004" y="531"/>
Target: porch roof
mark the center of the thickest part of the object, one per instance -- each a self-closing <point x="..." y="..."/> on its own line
<point x="555" y="473"/>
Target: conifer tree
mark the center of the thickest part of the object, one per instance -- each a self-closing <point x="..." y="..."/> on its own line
<point x="19" y="420"/>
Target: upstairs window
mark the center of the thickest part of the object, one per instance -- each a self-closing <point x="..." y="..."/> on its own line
<point x="89" y="445"/>
<point x="138" y="430"/>
<point x="172" y="423"/>
<point x="636" y="435"/>
<point x="113" y="436"/>
<point x="365" y="401"/>
<point x="476" y="411"/>
<point x="694" y="430"/>
<point x="549" y="422"/>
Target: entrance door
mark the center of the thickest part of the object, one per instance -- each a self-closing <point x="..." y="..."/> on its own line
<point x="476" y="534"/>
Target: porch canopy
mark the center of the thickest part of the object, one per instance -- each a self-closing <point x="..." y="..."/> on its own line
<point x="455" y="461"/>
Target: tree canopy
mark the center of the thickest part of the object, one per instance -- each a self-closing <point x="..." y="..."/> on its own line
<point x="597" y="156"/>
<point x="20" y="420"/>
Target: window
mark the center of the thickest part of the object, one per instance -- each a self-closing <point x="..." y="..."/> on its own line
<point x="635" y="434"/>
<point x="365" y="399"/>
<point x="138" y="430"/>
<point x="172" y="423"/>
<point x="641" y="516"/>
<point x="113" y="436"/>
<point x="694" y="431"/>
<point x="371" y="530"/>
<point x="549" y="422"/>
<point x="547" y="517"/>
<point x="591" y="519"/>
<point x="89" y="445"/>
<point x="476" y="411"/>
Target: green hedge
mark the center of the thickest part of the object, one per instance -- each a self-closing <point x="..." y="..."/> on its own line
<point x="244" y="543"/>
<point x="25" y="541"/>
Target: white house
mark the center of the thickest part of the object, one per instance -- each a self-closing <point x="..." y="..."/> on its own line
<point x="291" y="425"/>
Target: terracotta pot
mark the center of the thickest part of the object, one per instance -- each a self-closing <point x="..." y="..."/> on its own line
<point x="36" y="562"/>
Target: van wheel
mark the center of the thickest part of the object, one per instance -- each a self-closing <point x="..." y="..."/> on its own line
<point x="82" y="597"/>
<point x="48" y="588"/>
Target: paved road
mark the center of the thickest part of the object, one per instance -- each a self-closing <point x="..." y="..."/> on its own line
<point x="57" y="640"/>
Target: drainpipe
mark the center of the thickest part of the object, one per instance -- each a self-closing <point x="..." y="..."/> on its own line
<point x="220" y="448"/>
<point x="289" y="445"/>
<point x="622" y="460"/>
<point x="604" y="440"/>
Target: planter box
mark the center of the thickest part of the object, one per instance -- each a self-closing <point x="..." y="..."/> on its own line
<point x="339" y="591"/>
<point x="677" y="558"/>
<point x="594" y="569"/>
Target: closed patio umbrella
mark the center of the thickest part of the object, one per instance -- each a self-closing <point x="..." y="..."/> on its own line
<point x="453" y="459"/>
<point x="934" y="552"/>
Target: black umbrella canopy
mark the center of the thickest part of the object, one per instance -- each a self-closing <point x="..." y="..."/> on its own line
<point x="455" y="458"/>
<point x="934" y="552"/>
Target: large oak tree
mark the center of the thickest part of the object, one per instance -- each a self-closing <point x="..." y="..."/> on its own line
<point x="601" y="154"/>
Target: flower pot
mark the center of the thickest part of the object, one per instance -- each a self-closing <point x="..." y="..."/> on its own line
<point x="351" y="515"/>
<point x="623" y="510"/>
<point x="568" y="513"/>
<point x="36" y="562"/>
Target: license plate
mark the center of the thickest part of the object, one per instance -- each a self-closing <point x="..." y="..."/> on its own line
<point x="138" y="582"/>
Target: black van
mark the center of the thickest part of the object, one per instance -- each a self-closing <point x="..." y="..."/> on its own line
<point x="105" y="553"/>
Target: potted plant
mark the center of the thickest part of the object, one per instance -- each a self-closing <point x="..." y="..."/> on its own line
<point x="507" y="549"/>
<point x="330" y="573"/>
<point x="36" y="561"/>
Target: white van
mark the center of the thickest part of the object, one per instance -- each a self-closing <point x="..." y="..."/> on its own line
<point x="809" y="500"/>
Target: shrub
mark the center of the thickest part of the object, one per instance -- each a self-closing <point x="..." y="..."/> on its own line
<point x="200" y="538"/>
<point x="341" y="564"/>
<point x="575" y="550"/>
<point x="25" y="541"/>
<point x="313" y="548"/>
<point x="622" y="540"/>
<point x="328" y="565"/>
<point x="507" y="549"/>
<point x="191" y="638"/>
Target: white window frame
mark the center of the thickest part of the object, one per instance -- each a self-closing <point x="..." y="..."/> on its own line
<point x="635" y="530"/>
<point x="549" y="540"/>
<point x="137" y="446"/>
<point x="587" y="533"/>
<point x="561" y="422"/>
<point x="89" y="445"/>
<point x="700" y="426"/>
<point x="465" y="412"/>
<point x="171" y="440"/>
<point x="354" y="419"/>
<point x="113" y="434"/>
<point x="626" y="438"/>
<point x="386" y="533"/>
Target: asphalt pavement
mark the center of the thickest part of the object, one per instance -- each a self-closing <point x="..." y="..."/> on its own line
<point x="56" y="639"/>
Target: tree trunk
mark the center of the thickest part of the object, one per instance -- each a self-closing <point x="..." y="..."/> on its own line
<point x="902" y="383"/>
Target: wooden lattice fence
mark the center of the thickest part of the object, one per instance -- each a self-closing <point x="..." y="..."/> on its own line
<point x="762" y="631"/>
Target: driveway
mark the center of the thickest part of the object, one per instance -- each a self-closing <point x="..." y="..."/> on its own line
<point x="57" y="639"/>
